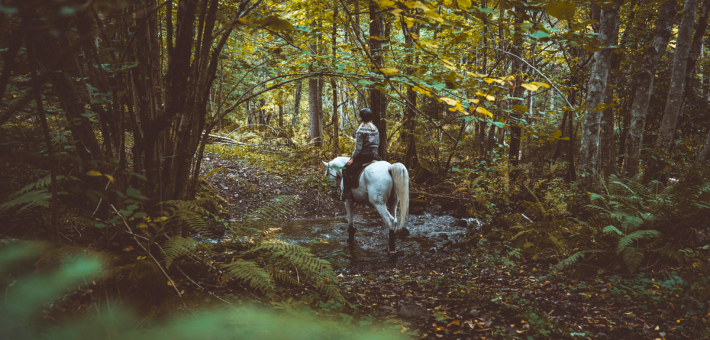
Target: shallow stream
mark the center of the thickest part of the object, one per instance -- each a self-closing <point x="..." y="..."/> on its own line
<point x="328" y="237"/>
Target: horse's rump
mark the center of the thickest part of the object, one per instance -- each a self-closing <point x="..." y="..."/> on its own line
<point x="356" y="172"/>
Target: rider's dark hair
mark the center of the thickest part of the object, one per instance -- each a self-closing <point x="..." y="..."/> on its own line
<point x="366" y="115"/>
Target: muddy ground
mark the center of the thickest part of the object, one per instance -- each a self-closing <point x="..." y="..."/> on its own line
<point x="449" y="290"/>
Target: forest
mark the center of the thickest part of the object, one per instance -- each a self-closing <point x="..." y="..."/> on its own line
<point x="162" y="169"/>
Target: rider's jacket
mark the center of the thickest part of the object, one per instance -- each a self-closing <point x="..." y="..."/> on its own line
<point x="367" y="139"/>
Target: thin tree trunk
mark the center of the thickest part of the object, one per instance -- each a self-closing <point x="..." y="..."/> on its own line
<point x="378" y="100"/>
<point x="676" y="92"/>
<point x="297" y="102"/>
<point x="408" y="130"/>
<point x="589" y="153"/>
<point x="516" y="115"/>
<point x="644" y="86"/>
<point x="608" y="140"/>
<point x="281" y="116"/>
<point x="334" y="86"/>
<point x="704" y="155"/>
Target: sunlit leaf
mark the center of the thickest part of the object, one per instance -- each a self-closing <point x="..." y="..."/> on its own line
<point x="464" y="4"/>
<point x="389" y="71"/>
<point x="94" y="173"/>
<point x="483" y="112"/>
<point x="448" y="101"/>
<point x="563" y="10"/>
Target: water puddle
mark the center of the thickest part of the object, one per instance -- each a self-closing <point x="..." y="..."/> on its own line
<point x="328" y="237"/>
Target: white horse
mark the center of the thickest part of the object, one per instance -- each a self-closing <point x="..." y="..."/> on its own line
<point x="380" y="183"/>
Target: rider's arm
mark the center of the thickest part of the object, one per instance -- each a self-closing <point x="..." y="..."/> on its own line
<point x="359" y="140"/>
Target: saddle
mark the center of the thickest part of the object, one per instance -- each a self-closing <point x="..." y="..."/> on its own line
<point x="357" y="173"/>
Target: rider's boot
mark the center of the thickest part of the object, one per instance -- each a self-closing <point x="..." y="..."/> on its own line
<point x="347" y="192"/>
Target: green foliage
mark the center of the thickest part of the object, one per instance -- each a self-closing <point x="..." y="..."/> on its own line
<point x="26" y="296"/>
<point x="631" y="221"/>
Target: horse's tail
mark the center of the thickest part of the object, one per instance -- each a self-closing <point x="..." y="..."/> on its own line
<point x="400" y="177"/>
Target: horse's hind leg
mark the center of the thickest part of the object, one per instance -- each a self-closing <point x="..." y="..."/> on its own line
<point x="391" y="223"/>
<point x="351" y="227"/>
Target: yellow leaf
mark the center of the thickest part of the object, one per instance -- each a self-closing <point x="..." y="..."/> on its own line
<point x="94" y="173"/>
<point x="563" y="10"/>
<point x="475" y="101"/>
<point x="421" y="90"/>
<point x="385" y="3"/>
<point x="389" y="71"/>
<point x="110" y="178"/>
<point x="128" y="248"/>
<point x="409" y="21"/>
<point x="397" y="11"/>
<point x="170" y="283"/>
<point x="454" y="323"/>
<point x="478" y="75"/>
<point x="540" y="84"/>
<point x="416" y="4"/>
<point x="464" y="4"/>
<point x="448" y="101"/>
<point x="530" y="87"/>
<point x="432" y="14"/>
<point x="491" y="80"/>
<point x="488" y="96"/>
<point x="482" y="111"/>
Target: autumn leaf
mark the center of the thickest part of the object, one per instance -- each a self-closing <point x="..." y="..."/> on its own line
<point x="483" y="112"/>
<point x="530" y="87"/>
<point x="275" y="23"/>
<point x="448" y="101"/>
<point x="464" y="4"/>
<point x="389" y="71"/>
<point x="540" y="84"/>
<point x="385" y="3"/>
<point x="421" y="90"/>
<point x="94" y="173"/>
<point x="563" y="10"/>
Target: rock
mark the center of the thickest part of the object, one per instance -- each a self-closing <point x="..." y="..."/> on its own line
<point x="413" y="312"/>
<point x="387" y="309"/>
<point x="444" y="244"/>
<point x="474" y="312"/>
<point x="433" y="250"/>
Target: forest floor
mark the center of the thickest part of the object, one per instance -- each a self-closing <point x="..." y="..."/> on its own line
<point x="477" y="289"/>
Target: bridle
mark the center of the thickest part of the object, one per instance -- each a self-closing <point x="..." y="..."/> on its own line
<point x="337" y="179"/>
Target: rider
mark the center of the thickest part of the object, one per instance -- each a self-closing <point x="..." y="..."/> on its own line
<point x="366" y="144"/>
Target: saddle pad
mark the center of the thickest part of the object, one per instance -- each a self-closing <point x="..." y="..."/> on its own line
<point x="356" y="179"/>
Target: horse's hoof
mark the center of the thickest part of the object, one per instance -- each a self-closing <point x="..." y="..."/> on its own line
<point x="402" y="232"/>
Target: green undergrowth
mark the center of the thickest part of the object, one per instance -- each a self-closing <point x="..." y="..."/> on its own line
<point x="539" y="301"/>
<point x="29" y="295"/>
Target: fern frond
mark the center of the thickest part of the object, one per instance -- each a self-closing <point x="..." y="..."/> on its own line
<point x="249" y="272"/>
<point x="632" y="258"/>
<point x="612" y="229"/>
<point x="669" y="251"/>
<point x="636" y="235"/>
<point x="576" y="257"/>
<point x="178" y="246"/>
<point x="34" y="198"/>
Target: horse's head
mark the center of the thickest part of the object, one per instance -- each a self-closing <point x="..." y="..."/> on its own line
<point x="333" y="175"/>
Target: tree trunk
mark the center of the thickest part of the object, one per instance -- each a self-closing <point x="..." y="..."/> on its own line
<point x="297" y="102"/>
<point x="334" y="86"/>
<point x="608" y="140"/>
<point x="409" y="124"/>
<point x="315" y="107"/>
<point x="589" y="152"/>
<point x="704" y="155"/>
<point x="378" y="100"/>
<point x="644" y="86"/>
<point x="281" y="116"/>
<point x="675" y="93"/>
<point x="516" y="115"/>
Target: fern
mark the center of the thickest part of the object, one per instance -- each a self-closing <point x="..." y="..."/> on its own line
<point x="625" y="241"/>
<point x="249" y="272"/>
<point x="576" y="257"/>
<point x="632" y="258"/>
<point x="177" y="247"/>
<point x="33" y="198"/>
